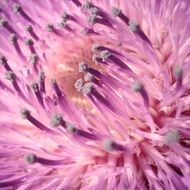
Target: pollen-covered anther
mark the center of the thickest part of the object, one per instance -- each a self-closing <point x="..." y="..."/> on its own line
<point x="17" y="8"/>
<point x="33" y="58"/>
<point x="96" y="58"/>
<point x="88" y="77"/>
<point x="115" y="11"/>
<point x="31" y="158"/>
<point x="87" y="5"/>
<point x="71" y="128"/>
<point x="13" y="38"/>
<point x="177" y="72"/>
<point x="137" y="86"/>
<point x="10" y="75"/>
<point x="3" y="60"/>
<point x="95" y="47"/>
<point x="173" y="136"/>
<point x="62" y="24"/>
<point x="3" y="22"/>
<point x="35" y="86"/>
<point x="25" y="113"/>
<point x="56" y="88"/>
<point x="65" y="17"/>
<point x="29" y="42"/>
<point x="82" y="67"/>
<point x="42" y="77"/>
<point x="86" y="31"/>
<point x="105" y="54"/>
<point x="92" y="19"/>
<point x="94" y="10"/>
<point x="31" y="31"/>
<point x="37" y="92"/>
<point x="110" y="145"/>
<point x="178" y="75"/>
<point x="133" y="26"/>
<point x="29" y="28"/>
<point x="79" y="84"/>
<point x="50" y="27"/>
<point x="56" y="120"/>
<point x="87" y="88"/>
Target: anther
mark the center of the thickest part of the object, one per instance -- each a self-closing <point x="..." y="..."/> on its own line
<point x="87" y="5"/>
<point x="35" y="87"/>
<point x="90" y="91"/>
<point x="82" y="67"/>
<point x="33" y="58"/>
<point x="13" y="40"/>
<point x="57" y="120"/>
<point x="110" y="146"/>
<point x="5" y="24"/>
<point x="31" y="158"/>
<point x="96" y="47"/>
<point x="92" y="19"/>
<point x="3" y="61"/>
<point x="138" y="87"/>
<point x="71" y="128"/>
<point x="79" y="84"/>
<point x="172" y="137"/>
<point x="26" y="114"/>
<point x="18" y="10"/>
<point x="56" y="88"/>
<point x="115" y="11"/>
<point x="97" y="59"/>
<point x="87" y="88"/>
<point x="65" y="16"/>
<point x="30" y="44"/>
<point x="62" y="24"/>
<point x="88" y="77"/>
<point x="42" y="82"/>
<point x="10" y="75"/>
<point x="133" y="26"/>
<point x="88" y="31"/>
<point x="105" y="54"/>
<point x="75" y="131"/>
<point x="50" y="27"/>
<point x="30" y="29"/>
<point x="178" y="75"/>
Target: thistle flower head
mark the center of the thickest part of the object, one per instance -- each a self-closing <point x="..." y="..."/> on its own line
<point x="70" y="123"/>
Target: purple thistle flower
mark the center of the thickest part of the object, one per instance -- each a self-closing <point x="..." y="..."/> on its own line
<point x="94" y="95"/>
